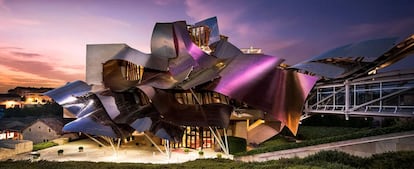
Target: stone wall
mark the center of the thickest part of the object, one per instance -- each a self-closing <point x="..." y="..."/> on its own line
<point x="9" y="148"/>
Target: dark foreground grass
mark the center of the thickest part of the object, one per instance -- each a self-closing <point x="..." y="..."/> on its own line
<point x="322" y="160"/>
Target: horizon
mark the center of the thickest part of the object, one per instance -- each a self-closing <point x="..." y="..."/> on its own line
<point x="44" y="42"/>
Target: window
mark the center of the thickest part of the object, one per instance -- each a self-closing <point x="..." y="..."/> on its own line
<point x="49" y="130"/>
<point x="30" y="129"/>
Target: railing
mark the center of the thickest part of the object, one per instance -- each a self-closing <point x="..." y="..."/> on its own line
<point x="387" y="94"/>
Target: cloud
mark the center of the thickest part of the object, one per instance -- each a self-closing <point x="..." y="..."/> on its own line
<point x="3" y="6"/>
<point x="392" y="28"/>
<point x="24" y="54"/>
<point x="9" y="23"/>
<point x="26" y="68"/>
<point x="164" y="2"/>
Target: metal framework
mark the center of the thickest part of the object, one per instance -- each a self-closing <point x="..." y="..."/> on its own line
<point x="385" y="94"/>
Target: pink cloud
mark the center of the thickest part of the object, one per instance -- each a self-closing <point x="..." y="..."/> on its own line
<point x="29" y="69"/>
<point x="3" y="6"/>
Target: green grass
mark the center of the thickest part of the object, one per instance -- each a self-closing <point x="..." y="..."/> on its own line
<point x="317" y="132"/>
<point x="321" y="160"/>
<point x="310" y="133"/>
<point x="43" y="145"/>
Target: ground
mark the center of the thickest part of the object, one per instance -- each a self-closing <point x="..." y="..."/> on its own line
<point x="127" y="153"/>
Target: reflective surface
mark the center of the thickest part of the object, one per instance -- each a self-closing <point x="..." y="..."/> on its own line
<point x="136" y="91"/>
<point x="348" y="59"/>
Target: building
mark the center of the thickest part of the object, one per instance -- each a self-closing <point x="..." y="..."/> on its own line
<point x="9" y="148"/>
<point x="24" y="96"/>
<point x="251" y="50"/>
<point x="43" y="130"/>
<point x="10" y="100"/>
<point x="35" y="99"/>
<point x="23" y="91"/>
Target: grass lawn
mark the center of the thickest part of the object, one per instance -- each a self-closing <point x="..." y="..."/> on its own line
<point x="322" y="160"/>
<point x="317" y="132"/>
<point x="43" y="145"/>
<point x="310" y="133"/>
<point x="322" y="135"/>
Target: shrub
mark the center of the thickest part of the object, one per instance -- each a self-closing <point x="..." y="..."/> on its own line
<point x="402" y="159"/>
<point x="186" y="150"/>
<point x="80" y="149"/>
<point x="60" y="152"/>
<point x="201" y="153"/>
<point x="219" y="156"/>
<point x="236" y="144"/>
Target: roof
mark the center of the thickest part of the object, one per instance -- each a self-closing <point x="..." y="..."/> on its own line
<point x="9" y="95"/>
<point x="15" y="123"/>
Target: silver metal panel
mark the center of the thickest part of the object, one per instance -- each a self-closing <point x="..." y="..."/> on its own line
<point x="224" y="49"/>
<point x="96" y="55"/>
<point x="370" y="49"/>
<point x="138" y="58"/>
<point x="213" y="25"/>
<point x="321" y="69"/>
<point x="162" y="41"/>
<point x="177" y="63"/>
<point x="113" y="77"/>
<point x="142" y="124"/>
<point x="67" y="96"/>
<point x="348" y="59"/>
<point x="90" y="126"/>
<point x="160" y="81"/>
<point x="108" y="102"/>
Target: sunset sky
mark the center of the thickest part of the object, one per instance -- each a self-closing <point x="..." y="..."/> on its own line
<point x="43" y="42"/>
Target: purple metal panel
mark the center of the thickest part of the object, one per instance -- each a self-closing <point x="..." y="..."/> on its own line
<point x="241" y="74"/>
<point x="280" y="93"/>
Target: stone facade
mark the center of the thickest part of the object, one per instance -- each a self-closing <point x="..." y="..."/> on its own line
<point x="43" y="131"/>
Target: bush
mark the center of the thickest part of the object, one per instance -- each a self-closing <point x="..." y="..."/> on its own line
<point x="236" y="144"/>
<point x="201" y="153"/>
<point x="402" y="159"/>
<point x="60" y="152"/>
<point x="219" y="156"/>
<point x="186" y="150"/>
<point x="80" y="149"/>
<point x="336" y="157"/>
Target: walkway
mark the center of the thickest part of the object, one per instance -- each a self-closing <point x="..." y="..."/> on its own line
<point x="127" y="153"/>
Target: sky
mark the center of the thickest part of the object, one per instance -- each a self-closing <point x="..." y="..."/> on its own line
<point x="43" y="42"/>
